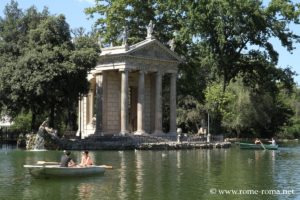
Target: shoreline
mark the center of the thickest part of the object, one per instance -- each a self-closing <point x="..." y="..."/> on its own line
<point x="144" y="146"/>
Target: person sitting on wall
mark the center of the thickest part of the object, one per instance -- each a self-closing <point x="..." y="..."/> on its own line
<point x="66" y="160"/>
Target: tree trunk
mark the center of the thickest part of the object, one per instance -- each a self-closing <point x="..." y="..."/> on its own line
<point x="224" y="81"/>
<point x="70" y="125"/>
<point x="51" y="118"/>
<point x="70" y="119"/>
<point x="33" y="119"/>
<point x="238" y="132"/>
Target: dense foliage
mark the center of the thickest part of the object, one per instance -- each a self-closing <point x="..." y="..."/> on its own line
<point x="230" y="69"/>
<point x="42" y="71"/>
<point x="231" y="65"/>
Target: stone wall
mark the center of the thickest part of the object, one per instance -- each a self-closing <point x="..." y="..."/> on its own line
<point x="112" y="103"/>
<point x="137" y="143"/>
<point x="110" y="142"/>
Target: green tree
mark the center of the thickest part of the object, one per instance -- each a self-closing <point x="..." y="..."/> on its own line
<point x="244" y="111"/>
<point x="247" y="111"/>
<point x="47" y="71"/>
<point x="136" y="15"/>
<point x="291" y="128"/>
<point x="191" y="114"/>
<point x="238" y="32"/>
<point x="221" y="40"/>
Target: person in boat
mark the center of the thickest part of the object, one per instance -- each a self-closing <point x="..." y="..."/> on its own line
<point x="273" y="142"/>
<point x="86" y="160"/>
<point x="66" y="160"/>
<point x="257" y="141"/>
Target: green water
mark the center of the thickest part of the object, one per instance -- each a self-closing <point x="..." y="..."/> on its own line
<point x="173" y="175"/>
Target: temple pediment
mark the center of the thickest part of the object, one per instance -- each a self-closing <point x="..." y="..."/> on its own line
<point x="153" y="50"/>
<point x="147" y="49"/>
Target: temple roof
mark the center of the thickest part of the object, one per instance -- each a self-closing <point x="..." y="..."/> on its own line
<point x="149" y="55"/>
<point x="149" y="49"/>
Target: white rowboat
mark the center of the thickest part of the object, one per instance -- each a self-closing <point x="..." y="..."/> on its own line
<point x="57" y="171"/>
<point x="41" y="162"/>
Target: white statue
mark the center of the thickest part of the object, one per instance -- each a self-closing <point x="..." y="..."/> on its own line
<point x="172" y="45"/>
<point x="125" y="35"/>
<point x="100" y="41"/>
<point x="150" y="28"/>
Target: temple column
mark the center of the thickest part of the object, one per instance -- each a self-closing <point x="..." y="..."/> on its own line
<point x="173" y="103"/>
<point x="84" y="114"/>
<point x="90" y="106"/>
<point x="124" y="102"/>
<point x="158" y="106"/>
<point x="141" y="104"/>
<point x="80" y="118"/>
<point x="99" y="104"/>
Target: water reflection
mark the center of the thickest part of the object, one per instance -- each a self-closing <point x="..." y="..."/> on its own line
<point x="286" y="172"/>
<point x="258" y="154"/>
<point x="122" y="183"/>
<point x="178" y="159"/>
<point x="139" y="173"/>
<point x="5" y="146"/>
<point x="208" y="161"/>
<point x="164" y="175"/>
<point x="85" y="190"/>
<point x="178" y="167"/>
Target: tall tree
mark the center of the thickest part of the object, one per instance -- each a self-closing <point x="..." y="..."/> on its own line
<point x="238" y="33"/>
<point x="47" y="71"/>
<point x="219" y="39"/>
<point x="136" y="15"/>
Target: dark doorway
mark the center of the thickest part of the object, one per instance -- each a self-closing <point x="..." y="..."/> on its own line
<point x="132" y="108"/>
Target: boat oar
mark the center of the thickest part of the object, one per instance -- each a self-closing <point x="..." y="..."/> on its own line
<point x="262" y="145"/>
<point x="41" y="162"/>
<point x="106" y="166"/>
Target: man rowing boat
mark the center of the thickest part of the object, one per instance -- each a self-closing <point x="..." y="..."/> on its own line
<point x="66" y="160"/>
<point x="257" y="141"/>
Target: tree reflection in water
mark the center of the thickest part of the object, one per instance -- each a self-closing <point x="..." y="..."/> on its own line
<point x="85" y="190"/>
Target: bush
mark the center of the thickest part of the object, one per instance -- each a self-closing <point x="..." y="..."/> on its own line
<point x="22" y="123"/>
<point x="290" y="132"/>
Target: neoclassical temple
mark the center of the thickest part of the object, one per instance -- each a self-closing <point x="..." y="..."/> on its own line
<point x="125" y="95"/>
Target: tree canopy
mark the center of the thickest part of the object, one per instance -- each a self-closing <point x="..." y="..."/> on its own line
<point x="42" y="70"/>
<point x="230" y="67"/>
<point x="222" y="41"/>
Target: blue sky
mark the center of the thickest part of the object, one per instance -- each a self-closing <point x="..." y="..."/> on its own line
<point x="74" y="12"/>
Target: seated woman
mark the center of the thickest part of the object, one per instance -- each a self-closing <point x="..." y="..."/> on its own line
<point x="85" y="159"/>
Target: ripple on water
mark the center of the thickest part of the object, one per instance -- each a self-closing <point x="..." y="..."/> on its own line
<point x="157" y="175"/>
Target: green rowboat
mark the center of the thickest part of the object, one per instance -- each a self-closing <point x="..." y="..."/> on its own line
<point x="258" y="146"/>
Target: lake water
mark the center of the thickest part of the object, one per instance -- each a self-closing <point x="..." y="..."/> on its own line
<point x="173" y="175"/>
